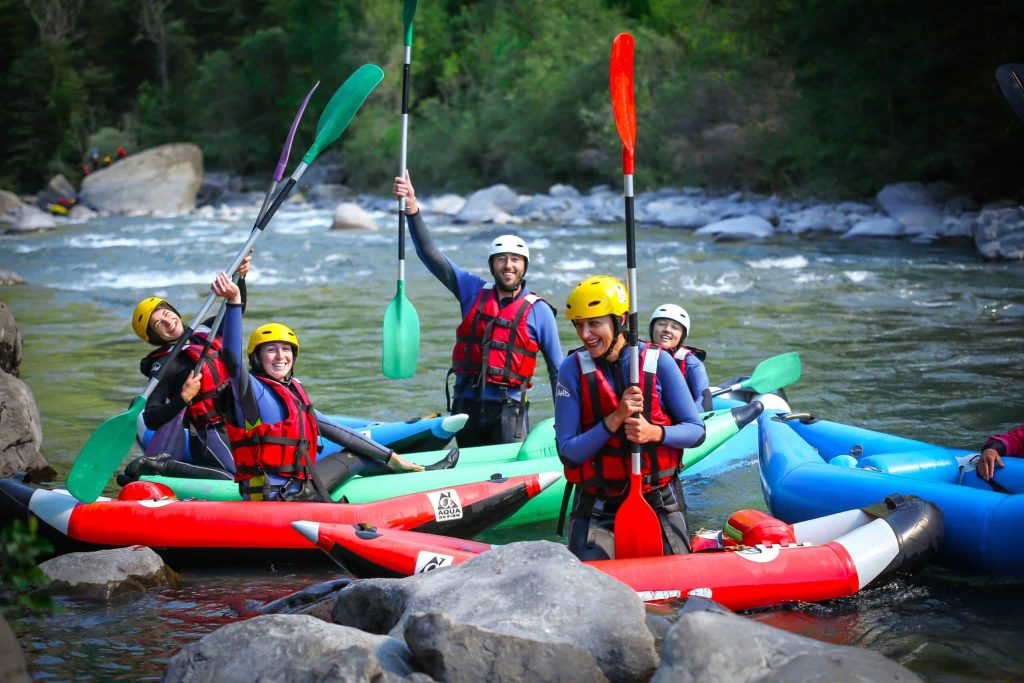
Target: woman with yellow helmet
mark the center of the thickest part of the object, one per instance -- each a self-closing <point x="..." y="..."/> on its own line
<point x="182" y="390"/>
<point x="272" y="426"/>
<point x="594" y="423"/>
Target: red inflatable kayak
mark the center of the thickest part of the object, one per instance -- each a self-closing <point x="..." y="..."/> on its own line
<point x="762" y="562"/>
<point x="215" y="532"/>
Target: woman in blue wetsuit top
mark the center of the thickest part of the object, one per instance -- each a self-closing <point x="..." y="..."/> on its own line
<point x="273" y="427"/>
<point x="595" y="427"/>
<point x="669" y="327"/>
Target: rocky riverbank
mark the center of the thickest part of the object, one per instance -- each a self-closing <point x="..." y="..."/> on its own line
<point x="169" y="180"/>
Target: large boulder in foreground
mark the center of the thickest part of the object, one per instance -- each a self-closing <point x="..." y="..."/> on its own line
<point x="162" y="180"/>
<point x="103" y="574"/>
<point x="999" y="234"/>
<point x="21" y="434"/>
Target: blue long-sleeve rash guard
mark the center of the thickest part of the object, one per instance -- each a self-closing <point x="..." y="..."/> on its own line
<point x="696" y="378"/>
<point x="466" y="286"/>
<point x="686" y="430"/>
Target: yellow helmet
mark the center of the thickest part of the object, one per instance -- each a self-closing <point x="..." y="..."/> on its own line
<point x="140" y="317"/>
<point x="273" y="332"/>
<point x="597" y="296"/>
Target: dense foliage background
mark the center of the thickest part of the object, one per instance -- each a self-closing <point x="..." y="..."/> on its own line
<point x="834" y="97"/>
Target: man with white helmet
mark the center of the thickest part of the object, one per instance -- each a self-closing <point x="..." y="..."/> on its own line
<point x="502" y="330"/>
<point x="669" y="327"/>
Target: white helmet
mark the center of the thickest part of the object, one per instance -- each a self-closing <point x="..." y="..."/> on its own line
<point x="672" y="312"/>
<point x="509" y="244"/>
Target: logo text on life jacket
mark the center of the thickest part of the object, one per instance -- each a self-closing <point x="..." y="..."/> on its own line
<point x="446" y="504"/>
<point x="427" y="561"/>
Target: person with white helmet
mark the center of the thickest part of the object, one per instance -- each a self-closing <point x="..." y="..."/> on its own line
<point x="504" y="326"/>
<point x="181" y="389"/>
<point x="595" y="427"/>
<point x="669" y="327"/>
<point x="273" y="428"/>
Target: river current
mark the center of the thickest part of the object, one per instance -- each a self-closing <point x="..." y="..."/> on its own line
<point x="920" y="341"/>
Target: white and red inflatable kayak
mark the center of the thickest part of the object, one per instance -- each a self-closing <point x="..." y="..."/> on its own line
<point x="761" y="561"/>
<point x="216" y="532"/>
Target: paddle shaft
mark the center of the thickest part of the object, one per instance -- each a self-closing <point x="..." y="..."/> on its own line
<point x="402" y="170"/>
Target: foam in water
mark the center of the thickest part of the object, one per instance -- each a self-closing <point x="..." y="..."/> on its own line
<point x="788" y="263"/>
<point x="727" y="283"/>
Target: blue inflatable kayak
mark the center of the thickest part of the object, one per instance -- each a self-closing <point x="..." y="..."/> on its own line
<point x="812" y="467"/>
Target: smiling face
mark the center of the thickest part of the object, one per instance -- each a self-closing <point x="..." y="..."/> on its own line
<point x="508" y="271"/>
<point x="277" y="359"/>
<point x="166" y="324"/>
<point x="667" y="333"/>
<point x="597" y="334"/>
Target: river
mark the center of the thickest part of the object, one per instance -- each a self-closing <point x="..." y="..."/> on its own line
<point x="921" y="341"/>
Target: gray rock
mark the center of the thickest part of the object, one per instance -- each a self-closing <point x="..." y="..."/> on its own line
<point x="448" y="204"/>
<point x="674" y="215"/>
<point x="28" y="218"/>
<point x="559" y="190"/>
<point x="10" y="342"/>
<point x="695" y="650"/>
<point x="562" y="209"/>
<point x="490" y="205"/>
<point x="912" y="205"/>
<point x="999" y="233"/>
<point x="13" y="665"/>
<point x="21" y="435"/>
<point x="80" y="213"/>
<point x="9" y="203"/>
<point x="286" y="648"/>
<point x="743" y="228"/>
<point x="60" y="186"/>
<point x="163" y="180"/>
<point x="815" y="219"/>
<point x="462" y="653"/>
<point x="855" y="207"/>
<point x="878" y="226"/>
<point x="517" y="590"/>
<point x="103" y="574"/>
<point x="9" y="278"/>
<point x="352" y="216"/>
<point x="331" y="193"/>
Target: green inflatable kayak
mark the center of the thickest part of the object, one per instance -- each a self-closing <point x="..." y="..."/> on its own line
<point x="535" y="455"/>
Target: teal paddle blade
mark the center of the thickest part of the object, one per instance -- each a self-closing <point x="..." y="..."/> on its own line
<point x="775" y="372"/>
<point x="401" y="349"/>
<point x="103" y="452"/>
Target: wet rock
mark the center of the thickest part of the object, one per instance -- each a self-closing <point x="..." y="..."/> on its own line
<point x="999" y="233"/>
<point x="21" y="434"/>
<point x="352" y="216"/>
<point x="164" y="180"/>
<point x="912" y="205"/>
<point x="676" y="215"/>
<point x="463" y="653"/>
<point x="287" y="648"/>
<point x="13" y="665"/>
<point x="560" y="190"/>
<point x="330" y="193"/>
<point x="710" y="646"/>
<point x="562" y="209"/>
<point x="103" y="574"/>
<point x="9" y="278"/>
<point x="10" y="341"/>
<point x="518" y="590"/>
<point x="9" y="203"/>
<point x="448" y="204"/>
<point x="28" y="218"/>
<point x="734" y="229"/>
<point x="878" y="226"/>
<point x="80" y="213"/>
<point x="494" y="204"/>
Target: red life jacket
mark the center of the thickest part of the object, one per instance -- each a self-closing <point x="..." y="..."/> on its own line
<point x="283" y="448"/>
<point x="202" y="410"/>
<point x="499" y="335"/>
<point x="607" y="473"/>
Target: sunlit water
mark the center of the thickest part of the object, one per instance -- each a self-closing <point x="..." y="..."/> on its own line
<point x="918" y="341"/>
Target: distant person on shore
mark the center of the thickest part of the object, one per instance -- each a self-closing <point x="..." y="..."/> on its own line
<point x="1010" y="444"/>
<point x="595" y="427"/>
<point x="504" y="325"/>
<point x="669" y="327"/>
<point x="121" y="154"/>
<point x="274" y="429"/>
<point x="156" y="321"/>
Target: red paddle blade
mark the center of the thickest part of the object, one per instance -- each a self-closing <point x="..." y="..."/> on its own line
<point x="622" y="97"/>
<point x="637" y="527"/>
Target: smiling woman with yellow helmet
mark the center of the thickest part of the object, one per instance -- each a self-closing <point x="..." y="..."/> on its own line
<point x="595" y="427"/>
<point x="272" y="426"/>
<point x="182" y="391"/>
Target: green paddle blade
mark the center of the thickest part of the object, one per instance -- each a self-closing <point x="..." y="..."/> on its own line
<point x="401" y="348"/>
<point x="774" y="373"/>
<point x="408" y="12"/>
<point x="103" y="453"/>
<point x="342" y="106"/>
